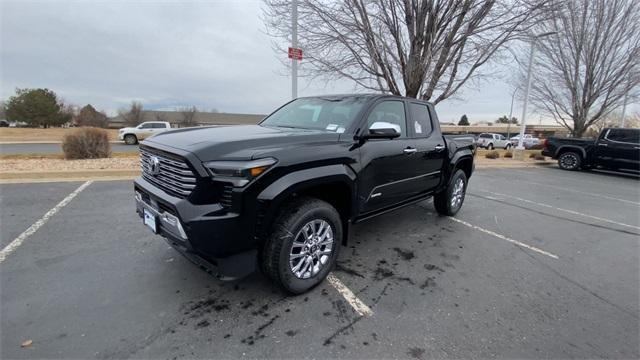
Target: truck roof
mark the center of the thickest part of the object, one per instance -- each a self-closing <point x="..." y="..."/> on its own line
<point x="371" y="96"/>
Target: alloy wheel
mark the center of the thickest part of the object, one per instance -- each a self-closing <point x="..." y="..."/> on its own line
<point x="311" y="249"/>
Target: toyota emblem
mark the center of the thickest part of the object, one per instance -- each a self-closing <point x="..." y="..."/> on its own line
<point x="155" y="165"/>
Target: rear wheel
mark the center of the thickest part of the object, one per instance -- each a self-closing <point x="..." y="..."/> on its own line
<point x="450" y="200"/>
<point x="130" y="139"/>
<point x="303" y="245"/>
<point x="569" y="161"/>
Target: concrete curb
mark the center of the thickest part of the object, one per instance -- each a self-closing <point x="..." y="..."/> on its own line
<point x="43" y="142"/>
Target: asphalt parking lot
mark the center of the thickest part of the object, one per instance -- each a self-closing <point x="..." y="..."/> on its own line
<point x="539" y="263"/>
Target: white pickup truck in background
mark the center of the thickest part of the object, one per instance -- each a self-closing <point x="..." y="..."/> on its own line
<point x="131" y="135"/>
<point x="527" y="141"/>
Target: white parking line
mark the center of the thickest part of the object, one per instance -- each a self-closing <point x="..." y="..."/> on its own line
<point x="361" y="308"/>
<point x="33" y="228"/>
<point x="563" y="210"/>
<point x="505" y="238"/>
<point x="581" y="192"/>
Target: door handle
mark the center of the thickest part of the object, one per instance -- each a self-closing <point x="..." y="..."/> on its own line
<point x="439" y="147"/>
<point x="603" y="144"/>
<point x="409" y="151"/>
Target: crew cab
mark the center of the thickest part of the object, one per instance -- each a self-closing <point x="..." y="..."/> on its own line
<point x="131" y="135"/>
<point x="614" y="149"/>
<point x="282" y="195"/>
<point x="491" y="141"/>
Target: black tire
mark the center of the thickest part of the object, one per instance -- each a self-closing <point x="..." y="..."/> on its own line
<point x="569" y="161"/>
<point x="443" y="201"/>
<point x="507" y="147"/>
<point x="276" y="261"/>
<point x="130" y="139"/>
<point x="490" y="146"/>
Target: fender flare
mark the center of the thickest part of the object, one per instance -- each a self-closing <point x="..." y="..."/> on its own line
<point x="271" y="198"/>
<point x="573" y="147"/>
<point x="457" y="158"/>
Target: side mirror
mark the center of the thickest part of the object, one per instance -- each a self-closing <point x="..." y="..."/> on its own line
<point x="382" y="130"/>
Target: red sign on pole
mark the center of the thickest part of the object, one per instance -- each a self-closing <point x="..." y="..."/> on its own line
<point x="295" y="53"/>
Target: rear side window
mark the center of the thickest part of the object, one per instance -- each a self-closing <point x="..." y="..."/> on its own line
<point x="159" y="126"/>
<point x="420" y="119"/>
<point x="486" y="136"/>
<point x="146" y="126"/>
<point x="624" y="135"/>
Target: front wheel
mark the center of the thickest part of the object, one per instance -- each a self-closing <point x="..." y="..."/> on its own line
<point x="449" y="201"/>
<point x="130" y="139"/>
<point x="508" y="146"/>
<point x="303" y="245"/>
<point x="569" y="161"/>
<point x="490" y="146"/>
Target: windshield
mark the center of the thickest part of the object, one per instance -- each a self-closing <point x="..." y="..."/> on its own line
<point x="333" y="115"/>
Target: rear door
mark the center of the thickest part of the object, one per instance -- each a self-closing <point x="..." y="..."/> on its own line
<point x="619" y="148"/>
<point x="389" y="171"/>
<point x="429" y="159"/>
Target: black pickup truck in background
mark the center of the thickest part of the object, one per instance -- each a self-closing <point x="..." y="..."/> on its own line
<point x="614" y="149"/>
<point x="281" y="195"/>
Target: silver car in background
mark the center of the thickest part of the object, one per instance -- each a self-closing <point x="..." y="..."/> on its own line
<point x="492" y="141"/>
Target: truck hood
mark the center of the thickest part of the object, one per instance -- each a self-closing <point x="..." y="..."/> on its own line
<point x="240" y="142"/>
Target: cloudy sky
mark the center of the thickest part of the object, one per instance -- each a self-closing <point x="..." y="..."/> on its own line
<point x="166" y="54"/>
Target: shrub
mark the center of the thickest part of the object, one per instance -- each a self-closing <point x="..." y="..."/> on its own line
<point x="539" y="157"/>
<point x="492" y="155"/>
<point x="86" y="143"/>
<point x="508" y="154"/>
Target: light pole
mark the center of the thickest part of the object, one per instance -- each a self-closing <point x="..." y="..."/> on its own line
<point x="511" y="114"/>
<point x="523" y="121"/>
<point x="294" y="44"/>
<point x="624" y="105"/>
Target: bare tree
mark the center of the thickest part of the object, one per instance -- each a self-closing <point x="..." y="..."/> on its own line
<point x="134" y="115"/>
<point x="583" y="72"/>
<point x="188" y="116"/>
<point x="419" y="48"/>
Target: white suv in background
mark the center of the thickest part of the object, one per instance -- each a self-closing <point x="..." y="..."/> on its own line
<point x="491" y="141"/>
<point x="131" y="135"/>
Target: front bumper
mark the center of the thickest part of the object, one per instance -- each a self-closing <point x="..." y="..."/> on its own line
<point x="209" y="236"/>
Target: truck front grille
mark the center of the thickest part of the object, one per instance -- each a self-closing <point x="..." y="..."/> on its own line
<point x="172" y="174"/>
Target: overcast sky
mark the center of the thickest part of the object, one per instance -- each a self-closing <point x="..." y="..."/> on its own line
<point x="167" y="54"/>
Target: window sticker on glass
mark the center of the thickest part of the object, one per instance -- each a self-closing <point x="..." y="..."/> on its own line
<point x="418" y="127"/>
<point x="332" y="127"/>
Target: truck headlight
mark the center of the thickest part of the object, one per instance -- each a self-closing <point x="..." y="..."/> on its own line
<point x="239" y="173"/>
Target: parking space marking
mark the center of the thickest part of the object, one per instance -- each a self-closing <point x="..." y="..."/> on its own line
<point x="13" y="245"/>
<point x="563" y="210"/>
<point x="505" y="238"/>
<point x="582" y="192"/>
<point x="360" y="307"/>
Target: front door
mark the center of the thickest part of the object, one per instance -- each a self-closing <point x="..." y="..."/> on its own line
<point x="389" y="168"/>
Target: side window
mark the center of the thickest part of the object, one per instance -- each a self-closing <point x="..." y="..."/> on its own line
<point x="389" y="114"/>
<point x="624" y="135"/>
<point x="159" y="126"/>
<point x="420" y="119"/>
<point x="146" y="126"/>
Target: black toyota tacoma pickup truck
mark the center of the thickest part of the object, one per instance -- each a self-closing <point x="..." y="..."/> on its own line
<point x="281" y="195"/>
<point x="614" y="149"/>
